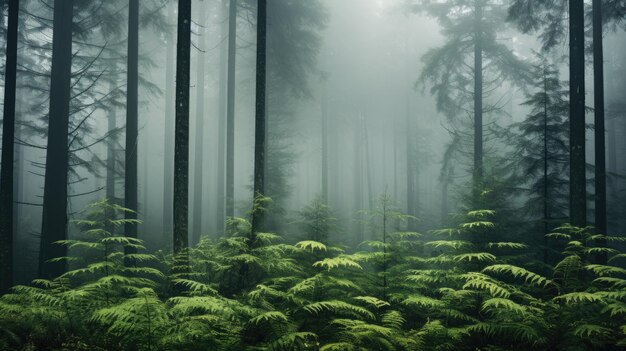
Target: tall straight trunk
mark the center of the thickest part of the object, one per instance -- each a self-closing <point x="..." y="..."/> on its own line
<point x="358" y="182"/>
<point x="478" y="102"/>
<point x="132" y="130"/>
<point x="197" y="179"/>
<point x="368" y="167"/>
<point x="230" y="104"/>
<point x="8" y="149"/>
<point x="259" y="119"/>
<point x="168" y="142"/>
<point x="324" y="147"/>
<point x="111" y="152"/>
<point x="181" y="143"/>
<point x="221" y="129"/>
<point x="600" y="147"/>
<point x="54" y="215"/>
<point x="546" y="209"/>
<point x="111" y="158"/>
<point x="578" y="195"/>
<point x="410" y="166"/>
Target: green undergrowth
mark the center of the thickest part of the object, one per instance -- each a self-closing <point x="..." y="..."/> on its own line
<point x="457" y="288"/>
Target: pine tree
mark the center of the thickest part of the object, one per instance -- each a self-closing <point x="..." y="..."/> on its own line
<point x="181" y="144"/>
<point x="468" y="68"/>
<point x="8" y="147"/>
<point x="542" y="151"/>
<point x="54" y="223"/>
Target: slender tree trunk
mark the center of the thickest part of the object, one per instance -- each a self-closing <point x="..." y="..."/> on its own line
<point x="368" y="167"/>
<point x="54" y="215"/>
<point x="410" y="167"/>
<point x="230" y="105"/>
<point x="478" y="103"/>
<point x="578" y="195"/>
<point x="260" y="134"/>
<point x="445" y="209"/>
<point x="181" y="143"/>
<point x="168" y="143"/>
<point x="600" y="147"/>
<point x="325" y="147"/>
<point x="197" y="179"/>
<point x="8" y="149"/>
<point x="221" y="134"/>
<point x="132" y="130"/>
<point x="111" y="157"/>
<point x="546" y="210"/>
<point x="358" y="183"/>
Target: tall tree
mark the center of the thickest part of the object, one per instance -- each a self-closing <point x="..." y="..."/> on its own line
<point x="181" y="129"/>
<point x="132" y="130"/>
<point x="259" y="119"/>
<point x="221" y="125"/>
<point x="230" y="109"/>
<point x="8" y="148"/>
<point x="198" y="150"/>
<point x="54" y="217"/>
<point x="168" y="124"/>
<point x="578" y="193"/>
<point x="599" y="132"/>
<point x="544" y="153"/>
<point x="469" y="67"/>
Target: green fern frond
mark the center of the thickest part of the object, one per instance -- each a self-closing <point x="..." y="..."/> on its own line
<point x="518" y="272"/>
<point x="336" y="262"/>
<point x="452" y="244"/>
<point x="475" y="256"/>
<point x="588" y="331"/>
<point x="337" y="306"/>
<point x="507" y="245"/>
<point x="602" y="270"/>
<point x="496" y="304"/>
<point x="370" y="300"/>
<point x="311" y="245"/>
<point x="579" y="297"/>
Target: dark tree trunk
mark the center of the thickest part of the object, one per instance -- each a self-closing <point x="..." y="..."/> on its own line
<point x="259" y="119"/>
<point x="130" y="174"/>
<point x="578" y="196"/>
<point x="221" y="129"/>
<point x="324" y="147"/>
<point x="358" y="179"/>
<point x="546" y="208"/>
<point x="410" y="167"/>
<point x="111" y="158"/>
<point x="8" y="149"/>
<point x="181" y="143"/>
<point x="230" y="104"/>
<point x="368" y="167"/>
<point x="168" y="142"/>
<point x="197" y="179"/>
<point x="478" y="104"/>
<point x="600" y="147"/>
<point x="54" y="215"/>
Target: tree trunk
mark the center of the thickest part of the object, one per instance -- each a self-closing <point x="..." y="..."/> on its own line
<point x="8" y="149"/>
<point x="111" y="157"/>
<point x="600" y="147"/>
<point x="130" y="174"/>
<point x="324" y="147"/>
<point x="546" y="209"/>
<point x="230" y="105"/>
<point x="221" y="129"/>
<point x="578" y="196"/>
<point x="358" y="182"/>
<point x="168" y="142"/>
<point x="259" y="119"/>
<point x="478" y="104"/>
<point x="54" y="215"/>
<point x="181" y="143"/>
<point x="197" y="179"/>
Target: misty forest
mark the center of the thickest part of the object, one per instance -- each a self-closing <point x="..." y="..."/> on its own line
<point x="315" y="175"/>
